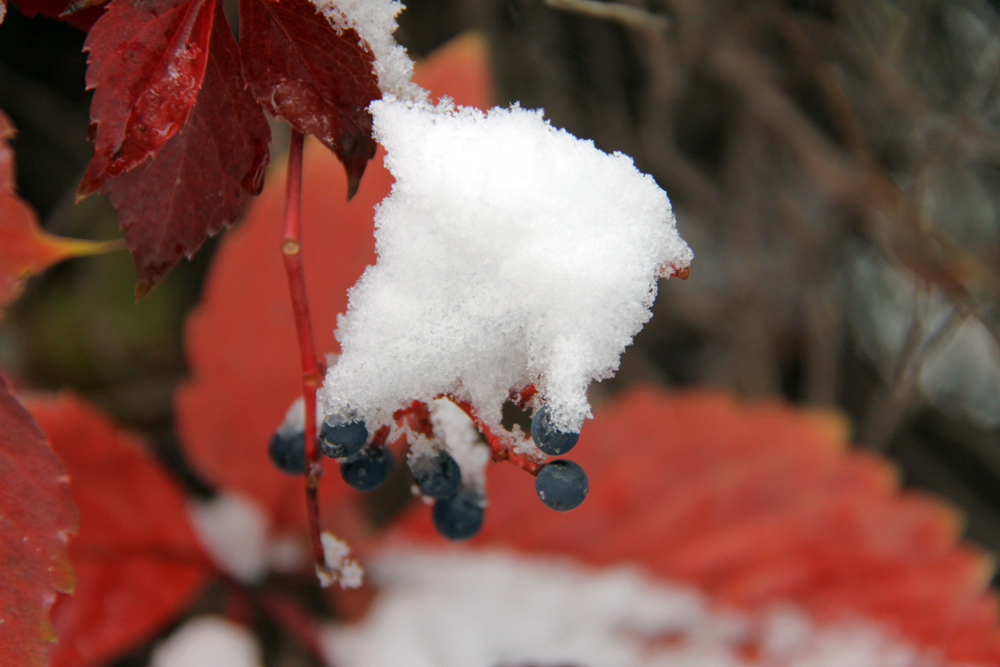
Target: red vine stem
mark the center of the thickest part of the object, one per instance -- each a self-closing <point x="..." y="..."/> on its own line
<point x="501" y="450"/>
<point x="291" y="251"/>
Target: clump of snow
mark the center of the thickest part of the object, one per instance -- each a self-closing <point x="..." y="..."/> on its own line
<point x="208" y="641"/>
<point x="375" y="23"/>
<point x="481" y="609"/>
<point x="339" y="568"/>
<point x="509" y="252"/>
<point x="234" y="531"/>
<point x="461" y="440"/>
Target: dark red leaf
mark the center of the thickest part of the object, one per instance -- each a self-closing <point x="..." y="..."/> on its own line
<point x="203" y="177"/>
<point x="137" y="561"/>
<point x="241" y="343"/>
<point x="146" y="65"/>
<point x="36" y="515"/>
<point x="318" y="79"/>
<point x="56" y="9"/>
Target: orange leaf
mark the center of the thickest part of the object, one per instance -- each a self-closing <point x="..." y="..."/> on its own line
<point x="25" y="248"/>
<point x="756" y="505"/>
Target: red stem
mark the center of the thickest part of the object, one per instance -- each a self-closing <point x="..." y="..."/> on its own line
<point x="291" y="250"/>
<point x="501" y="451"/>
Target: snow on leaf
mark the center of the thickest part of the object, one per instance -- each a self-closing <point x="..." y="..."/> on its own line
<point x="757" y="505"/>
<point x="319" y="78"/>
<point x="232" y="405"/>
<point x="147" y="63"/>
<point x="36" y="514"/>
<point x="510" y="253"/>
<point x="24" y="247"/>
<point x="137" y="560"/>
<point x="202" y="177"/>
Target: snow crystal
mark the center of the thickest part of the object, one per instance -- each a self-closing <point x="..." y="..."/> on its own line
<point x="482" y="609"/>
<point x="234" y="532"/>
<point x="509" y="253"/>
<point x="375" y="23"/>
<point x="339" y="568"/>
<point x="208" y="641"/>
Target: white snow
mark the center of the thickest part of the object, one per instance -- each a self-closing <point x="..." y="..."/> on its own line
<point x="208" y="641"/>
<point x="375" y="23"/>
<point x="234" y="532"/>
<point x="509" y="253"/>
<point x="483" y="609"/>
<point x="340" y="569"/>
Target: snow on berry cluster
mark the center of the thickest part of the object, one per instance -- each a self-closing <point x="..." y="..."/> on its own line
<point x="510" y="253"/>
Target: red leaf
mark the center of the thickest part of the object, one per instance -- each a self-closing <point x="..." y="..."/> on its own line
<point x="137" y="561"/>
<point x="317" y="78"/>
<point x="24" y="247"/>
<point x="203" y="177"/>
<point x="86" y="17"/>
<point x="36" y="514"/>
<point x="756" y="505"/>
<point x="147" y="63"/>
<point x="241" y="341"/>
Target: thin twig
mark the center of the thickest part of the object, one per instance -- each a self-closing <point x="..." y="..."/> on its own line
<point x="626" y="15"/>
<point x="291" y="250"/>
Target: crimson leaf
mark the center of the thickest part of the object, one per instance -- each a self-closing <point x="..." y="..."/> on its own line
<point x="36" y="513"/>
<point x="137" y="560"/>
<point x="319" y="79"/>
<point x="202" y="177"/>
<point x="147" y="62"/>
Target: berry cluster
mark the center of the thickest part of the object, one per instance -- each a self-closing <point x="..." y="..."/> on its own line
<point x="365" y="461"/>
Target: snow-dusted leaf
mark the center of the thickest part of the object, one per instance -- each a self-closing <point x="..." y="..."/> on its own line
<point x="147" y="63"/>
<point x="25" y="248"/>
<point x="137" y="561"/>
<point x="36" y="516"/>
<point x="232" y="405"/>
<point x="319" y="78"/>
<point x="756" y="505"/>
<point x="202" y="177"/>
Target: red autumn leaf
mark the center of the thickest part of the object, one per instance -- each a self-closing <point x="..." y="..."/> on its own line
<point x="241" y="341"/>
<point x="203" y="177"/>
<point x="36" y="514"/>
<point x="24" y="247"/>
<point x="83" y="18"/>
<point x="137" y="561"/>
<point x="319" y="79"/>
<point x="146" y="65"/>
<point x="756" y="505"/>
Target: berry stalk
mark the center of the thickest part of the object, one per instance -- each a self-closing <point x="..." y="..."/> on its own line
<point x="291" y="251"/>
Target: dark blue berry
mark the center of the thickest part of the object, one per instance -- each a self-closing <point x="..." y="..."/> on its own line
<point x="459" y="517"/>
<point x="438" y="476"/>
<point x="561" y="485"/>
<point x="288" y="452"/>
<point x="548" y="438"/>
<point x="367" y="470"/>
<point x="339" y="441"/>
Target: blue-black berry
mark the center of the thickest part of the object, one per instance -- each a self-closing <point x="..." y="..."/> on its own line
<point x="341" y="440"/>
<point x="438" y="476"/>
<point x="288" y="452"/>
<point x="459" y="517"/>
<point x="548" y="438"/>
<point x="367" y="471"/>
<point x="561" y="485"/>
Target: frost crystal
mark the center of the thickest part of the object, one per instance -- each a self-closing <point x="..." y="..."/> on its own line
<point x="339" y="568"/>
<point x="375" y="22"/>
<point x="509" y="253"/>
